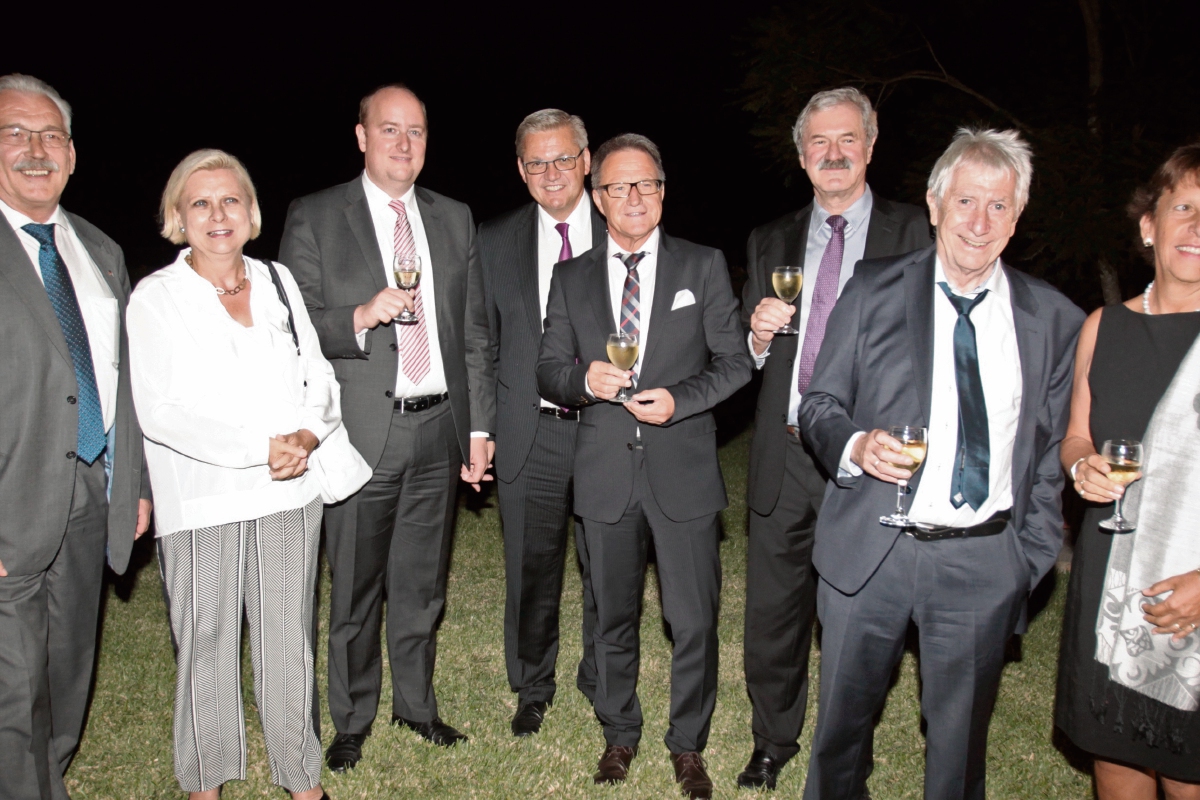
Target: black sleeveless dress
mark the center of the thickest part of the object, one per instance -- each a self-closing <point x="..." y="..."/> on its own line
<point x="1136" y="357"/>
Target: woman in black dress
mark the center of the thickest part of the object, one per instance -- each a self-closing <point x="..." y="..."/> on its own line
<point x="1127" y="356"/>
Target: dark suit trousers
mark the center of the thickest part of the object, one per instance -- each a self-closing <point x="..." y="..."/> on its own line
<point x="48" y="624"/>
<point x="536" y="511"/>
<point x="964" y="596"/>
<point x="393" y="539"/>
<point x="781" y="605"/>
<point x="689" y="573"/>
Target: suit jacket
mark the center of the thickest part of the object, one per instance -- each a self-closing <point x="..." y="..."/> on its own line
<point x="508" y="248"/>
<point x="894" y="228"/>
<point x="875" y="369"/>
<point x="697" y="352"/>
<point x="329" y="245"/>
<point x="40" y="425"/>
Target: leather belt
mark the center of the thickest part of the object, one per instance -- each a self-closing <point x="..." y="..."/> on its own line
<point x="936" y="533"/>
<point x="559" y="413"/>
<point x="794" y="432"/>
<point x="410" y="404"/>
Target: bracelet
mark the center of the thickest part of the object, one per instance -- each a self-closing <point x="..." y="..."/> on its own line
<point x="1075" y="466"/>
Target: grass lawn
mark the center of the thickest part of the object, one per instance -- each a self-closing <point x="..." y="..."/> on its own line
<point x="126" y="749"/>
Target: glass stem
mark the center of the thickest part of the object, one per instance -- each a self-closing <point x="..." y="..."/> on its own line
<point x="900" y="487"/>
<point x="1117" y="515"/>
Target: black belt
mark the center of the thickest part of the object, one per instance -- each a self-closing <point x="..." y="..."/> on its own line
<point x="560" y="413"/>
<point x="936" y="533"/>
<point x="409" y="404"/>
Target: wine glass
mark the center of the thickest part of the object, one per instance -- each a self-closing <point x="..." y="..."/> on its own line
<point x="787" y="282"/>
<point x="623" y="354"/>
<point x="407" y="270"/>
<point x="1125" y="458"/>
<point x="913" y="444"/>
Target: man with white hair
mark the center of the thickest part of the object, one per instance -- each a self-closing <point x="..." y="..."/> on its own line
<point x="846" y="222"/>
<point x="952" y="340"/>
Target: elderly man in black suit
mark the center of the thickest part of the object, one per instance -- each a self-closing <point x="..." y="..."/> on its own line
<point x="535" y="439"/>
<point x="952" y="340"/>
<point x="418" y="401"/>
<point x="835" y="135"/>
<point x="647" y="469"/>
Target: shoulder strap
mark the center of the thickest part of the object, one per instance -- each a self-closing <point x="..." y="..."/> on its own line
<point x="283" y="299"/>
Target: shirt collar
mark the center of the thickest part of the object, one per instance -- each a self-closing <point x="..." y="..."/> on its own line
<point x="378" y="199"/>
<point x="997" y="282"/>
<point x="582" y="211"/>
<point x="649" y="247"/>
<point x="18" y="220"/>
<point x="856" y="215"/>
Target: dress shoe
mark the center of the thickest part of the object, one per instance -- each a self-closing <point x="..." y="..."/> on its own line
<point x="762" y="770"/>
<point x="345" y="751"/>
<point x="434" y="731"/>
<point x="614" y="764"/>
<point x="691" y="776"/>
<point x="528" y="719"/>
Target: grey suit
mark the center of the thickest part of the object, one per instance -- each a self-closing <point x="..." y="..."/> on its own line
<point x="667" y="485"/>
<point x="399" y="526"/>
<point x="55" y="521"/>
<point x="535" y="454"/>
<point x="785" y="487"/>
<point x="875" y="370"/>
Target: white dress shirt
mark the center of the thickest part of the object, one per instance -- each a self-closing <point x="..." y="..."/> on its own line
<point x="97" y="305"/>
<point x="617" y="272"/>
<point x="579" y="234"/>
<point x="210" y="393"/>
<point x="858" y="217"/>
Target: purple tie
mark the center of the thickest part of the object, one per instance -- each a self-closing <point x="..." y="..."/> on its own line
<point x="823" y="297"/>
<point x="565" y="252"/>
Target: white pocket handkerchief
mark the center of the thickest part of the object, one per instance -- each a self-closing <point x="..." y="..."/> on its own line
<point x="683" y="298"/>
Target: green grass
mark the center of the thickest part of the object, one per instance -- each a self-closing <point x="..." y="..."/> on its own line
<point x="126" y="749"/>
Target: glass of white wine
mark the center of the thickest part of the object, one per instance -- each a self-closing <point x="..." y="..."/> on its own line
<point x="1125" y="458"/>
<point x="913" y="444"/>
<point x="787" y="282"/>
<point x="622" y="354"/>
<point x="407" y="270"/>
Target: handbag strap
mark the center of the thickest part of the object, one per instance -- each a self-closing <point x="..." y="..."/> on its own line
<point x="283" y="299"/>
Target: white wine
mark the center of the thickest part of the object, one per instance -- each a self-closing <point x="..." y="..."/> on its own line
<point x="787" y="284"/>
<point x="623" y="356"/>
<point x="915" y="451"/>
<point x="408" y="278"/>
<point x="1123" y="472"/>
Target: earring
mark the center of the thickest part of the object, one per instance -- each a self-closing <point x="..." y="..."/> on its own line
<point x="1148" y="242"/>
<point x="182" y="229"/>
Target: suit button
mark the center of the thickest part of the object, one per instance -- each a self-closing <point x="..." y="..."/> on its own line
<point x="71" y="399"/>
<point x="783" y="418"/>
<point x="629" y="445"/>
<point x="393" y="346"/>
<point x="388" y="393"/>
<point x="70" y="454"/>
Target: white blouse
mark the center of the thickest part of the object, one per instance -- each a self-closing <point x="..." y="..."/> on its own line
<point x="210" y="393"/>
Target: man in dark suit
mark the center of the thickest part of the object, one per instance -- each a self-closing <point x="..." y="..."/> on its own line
<point x="71" y="477"/>
<point x="535" y="439"/>
<point x="647" y="468"/>
<point x="952" y="340"/>
<point x="835" y="135"/>
<point x="418" y="402"/>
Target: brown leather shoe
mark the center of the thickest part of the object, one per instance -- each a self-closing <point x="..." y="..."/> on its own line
<point x="691" y="775"/>
<point x="614" y="764"/>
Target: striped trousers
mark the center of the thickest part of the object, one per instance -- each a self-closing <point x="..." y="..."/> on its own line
<point x="269" y="565"/>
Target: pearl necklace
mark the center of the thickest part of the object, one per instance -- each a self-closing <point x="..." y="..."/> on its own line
<point x="1146" y="300"/>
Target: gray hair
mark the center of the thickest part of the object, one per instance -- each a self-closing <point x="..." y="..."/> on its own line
<point x="1004" y="150"/>
<point x="16" y="82"/>
<point x="835" y="97"/>
<point x="626" y="141"/>
<point x="549" y="119"/>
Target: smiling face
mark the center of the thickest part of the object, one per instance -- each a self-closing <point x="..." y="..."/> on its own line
<point x="835" y="153"/>
<point x="215" y="212"/>
<point x="975" y="219"/>
<point x="1174" y="230"/>
<point x="32" y="177"/>
<point x="557" y="191"/>
<point x="631" y="219"/>
<point x="393" y="139"/>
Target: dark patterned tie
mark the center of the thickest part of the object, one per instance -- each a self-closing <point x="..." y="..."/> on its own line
<point x="631" y="302"/>
<point x="565" y="252"/>
<point x="969" y="483"/>
<point x="823" y="297"/>
<point x="90" y="434"/>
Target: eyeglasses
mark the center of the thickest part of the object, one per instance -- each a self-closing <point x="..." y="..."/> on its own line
<point x="562" y="163"/>
<point x="16" y="136"/>
<point x="619" y="190"/>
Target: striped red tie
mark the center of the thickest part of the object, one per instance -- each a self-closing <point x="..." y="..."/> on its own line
<point x="414" y="339"/>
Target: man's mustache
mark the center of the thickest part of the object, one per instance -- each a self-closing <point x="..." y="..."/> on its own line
<point x="837" y="163"/>
<point x="35" y="163"/>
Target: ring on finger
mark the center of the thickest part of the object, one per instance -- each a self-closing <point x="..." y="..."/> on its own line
<point x="1178" y="626"/>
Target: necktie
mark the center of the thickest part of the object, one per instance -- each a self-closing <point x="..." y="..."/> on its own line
<point x="414" y="338"/>
<point x="90" y="438"/>
<point x="565" y="252"/>
<point x="823" y="297"/>
<point x="969" y="483"/>
<point x="631" y="303"/>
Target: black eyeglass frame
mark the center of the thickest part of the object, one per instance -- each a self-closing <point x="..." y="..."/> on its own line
<point x="607" y="188"/>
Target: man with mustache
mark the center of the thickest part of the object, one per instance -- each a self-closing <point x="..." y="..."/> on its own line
<point x="835" y="135"/>
<point x="70" y="450"/>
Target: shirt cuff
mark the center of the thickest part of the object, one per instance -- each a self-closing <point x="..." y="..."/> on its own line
<point x="759" y="359"/>
<point x="361" y="338"/>
<point x="588" y="388"/>
<point x="846" y="467"/>
<point x="480" y="435"/>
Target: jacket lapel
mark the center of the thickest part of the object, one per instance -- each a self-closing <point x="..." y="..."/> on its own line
<point x="108" y="268"/>
<point x="599" y="227"/>
<point x="440" y="255"/>
<point x="602" y="301"/>
<point x="666" y="282"/>
<point x="358" y="216"/>
<point x="881" y="230"/>
<point x="918" y="298"/>
<point x="1032" y="346"/>
<point x="525" y="256"/>
<point x="17" y="269"/>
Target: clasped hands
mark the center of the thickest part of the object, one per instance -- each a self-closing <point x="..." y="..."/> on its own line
<point x="652" y="406"/>
<point x="877" y="454"/>
<point x="289" y="452"/>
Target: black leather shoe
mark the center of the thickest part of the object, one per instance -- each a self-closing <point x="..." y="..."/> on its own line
<point x="762" y="770"/>
<point x="528" y="719"/>
<point x="434" y="731"/>
<point x="345" y="751"/>
<point x="614" y="764"/>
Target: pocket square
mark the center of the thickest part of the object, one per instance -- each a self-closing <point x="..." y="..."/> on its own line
<point x="683" y="298"/>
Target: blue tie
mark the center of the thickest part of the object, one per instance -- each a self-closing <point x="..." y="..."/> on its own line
<point x="969" y="483"/>
<point x="91" y="438"/>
